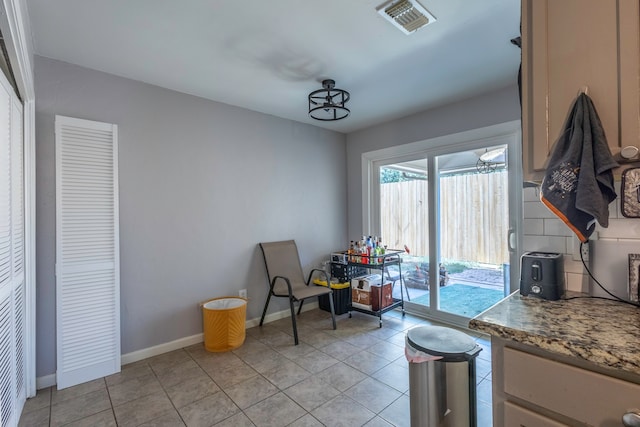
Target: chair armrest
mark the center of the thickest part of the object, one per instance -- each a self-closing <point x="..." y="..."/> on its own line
<point x="273" y="283"/>
<point x="324" y="273"/>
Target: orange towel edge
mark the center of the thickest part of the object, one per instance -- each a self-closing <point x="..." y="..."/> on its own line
<point x="564" y="219"/>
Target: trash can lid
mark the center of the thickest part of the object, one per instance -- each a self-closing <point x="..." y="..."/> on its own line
<point x="451" y="344"/>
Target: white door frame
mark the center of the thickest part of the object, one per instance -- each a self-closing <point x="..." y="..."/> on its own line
<point x="505" y="133"/>
<point x="14" y="24"/>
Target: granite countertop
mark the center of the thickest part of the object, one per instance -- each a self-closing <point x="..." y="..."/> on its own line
<point x="603" y="332"/>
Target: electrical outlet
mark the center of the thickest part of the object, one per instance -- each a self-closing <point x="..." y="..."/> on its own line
<point x="242" y="293"/>
<point x="576" y="250"/>
<point x="585" y="251"/>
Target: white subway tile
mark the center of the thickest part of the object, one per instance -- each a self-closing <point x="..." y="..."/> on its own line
<point x="555" y="227"/>
<point x="569" y="242"/>
<point x="571" y="266"/>
<point x="531" y="194"/>
<point x="537" y="210"/>
<point x="533" y="226"/>
<point x="621" y="229"/>
<point x="577" y="282"/>
<point x="544" y="244"/>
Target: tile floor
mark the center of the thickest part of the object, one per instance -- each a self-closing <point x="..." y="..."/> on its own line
<point x="356" y="375"/>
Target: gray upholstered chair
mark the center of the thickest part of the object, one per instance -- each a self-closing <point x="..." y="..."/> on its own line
<point x="286" y="279"/>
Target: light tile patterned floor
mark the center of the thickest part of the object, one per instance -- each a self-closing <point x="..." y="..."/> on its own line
<point x="356" y="375"/>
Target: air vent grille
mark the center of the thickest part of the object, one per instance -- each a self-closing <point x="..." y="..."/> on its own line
<point x="406" y="15"/>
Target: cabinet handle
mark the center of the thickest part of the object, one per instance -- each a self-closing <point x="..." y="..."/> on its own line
<point x="631" y="419"/>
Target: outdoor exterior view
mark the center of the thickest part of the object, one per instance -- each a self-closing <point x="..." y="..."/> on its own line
<point x="473" y="225"/>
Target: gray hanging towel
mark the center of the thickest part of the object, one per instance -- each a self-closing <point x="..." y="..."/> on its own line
<point x="578" y="184"/>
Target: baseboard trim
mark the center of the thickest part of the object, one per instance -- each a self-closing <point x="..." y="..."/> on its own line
<point x="155" y="350"/>
<point x="50" y="380"/>
<point x="45" y="381"/>
<point x="280" y="315"/>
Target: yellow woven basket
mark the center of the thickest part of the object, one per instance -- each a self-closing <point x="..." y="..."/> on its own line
<point x="224" y="323"/>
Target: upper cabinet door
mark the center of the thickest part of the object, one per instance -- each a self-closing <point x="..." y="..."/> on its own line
<point x="569" y="45"/>
<point x="629" y="40"/>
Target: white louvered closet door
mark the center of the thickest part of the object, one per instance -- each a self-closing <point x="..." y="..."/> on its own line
<point x="12" y="277"/>
<point x="17" y="243"/>
<point x="87" y="251"/>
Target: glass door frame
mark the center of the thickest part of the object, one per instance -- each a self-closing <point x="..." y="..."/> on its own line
<point x="506" y="133"/>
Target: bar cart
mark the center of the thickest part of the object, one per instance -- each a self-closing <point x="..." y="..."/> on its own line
<point x="347" y="267"/>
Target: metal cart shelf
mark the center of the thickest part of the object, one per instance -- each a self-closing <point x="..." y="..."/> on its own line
<point x="382" y="262"/>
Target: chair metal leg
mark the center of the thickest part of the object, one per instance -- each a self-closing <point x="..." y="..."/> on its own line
<point x="404" y="285"/>
<point x="266" y="304"/>
<point x="333" y="314"/>
<point x="300" y="307"/>
<point x="293" y="321"/>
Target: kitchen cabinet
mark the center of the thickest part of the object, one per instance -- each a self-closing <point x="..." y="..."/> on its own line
<point x="515" y="415"/>
<point x="570" y="45"/>
<point x="572" y="362"/>
<point x="534" y="388"/>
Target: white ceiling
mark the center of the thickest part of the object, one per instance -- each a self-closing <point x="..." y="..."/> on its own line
<point x="268" y="55"/>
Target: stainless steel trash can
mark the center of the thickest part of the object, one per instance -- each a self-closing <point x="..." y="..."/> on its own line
<point x="442" y="392"/>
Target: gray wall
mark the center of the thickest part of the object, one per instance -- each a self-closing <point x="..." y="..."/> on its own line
<point x="201" y="183"/>
<point x="492" y="108"/>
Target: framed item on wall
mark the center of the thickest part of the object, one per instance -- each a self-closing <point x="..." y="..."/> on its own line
<point x="634" y="276"/>
<point x="630" y="200"/>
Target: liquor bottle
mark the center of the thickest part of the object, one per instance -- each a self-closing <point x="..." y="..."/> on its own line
<point x="371" y="250"/>
<point x="364" y="251"/>
<point x="374" y="250"/>
<point x="379" y="251"/>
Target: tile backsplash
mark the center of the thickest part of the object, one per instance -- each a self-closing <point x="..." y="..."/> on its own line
<point x="543" y="231"/>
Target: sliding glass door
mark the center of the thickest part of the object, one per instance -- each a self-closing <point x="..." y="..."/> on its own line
<point x="404" y="223"/>
<point x="473" y="225"/>
<point x="453" y="208"/>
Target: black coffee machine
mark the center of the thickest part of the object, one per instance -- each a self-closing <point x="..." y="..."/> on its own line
<point x="542" y="275"/>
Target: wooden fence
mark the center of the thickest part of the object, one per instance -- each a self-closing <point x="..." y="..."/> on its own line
<point x="474" y="217"/>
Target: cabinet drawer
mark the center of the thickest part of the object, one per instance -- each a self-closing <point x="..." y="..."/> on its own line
<point x="515" y="415"/>
<point x="582" y="395"/>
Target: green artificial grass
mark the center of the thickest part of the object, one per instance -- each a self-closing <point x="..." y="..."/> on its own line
<point x="464" y="300"/>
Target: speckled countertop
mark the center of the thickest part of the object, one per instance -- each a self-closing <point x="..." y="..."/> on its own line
<point x="603" y="332"/>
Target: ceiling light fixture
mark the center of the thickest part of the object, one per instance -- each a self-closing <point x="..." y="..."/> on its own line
<point x="494" y="155"/>
<point x="328" y="104"/>
<point x="491" y="159"/>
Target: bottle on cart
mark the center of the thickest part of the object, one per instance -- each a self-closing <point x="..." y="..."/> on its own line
<point x="370" y="250"/>
<point x="350" y="251"/>
<point x="374" y="253"/>
<point x="364" y="259"/>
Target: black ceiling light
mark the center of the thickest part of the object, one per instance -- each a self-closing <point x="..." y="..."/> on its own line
<point x="490" y="160"/>
<point x="328" y="104"/>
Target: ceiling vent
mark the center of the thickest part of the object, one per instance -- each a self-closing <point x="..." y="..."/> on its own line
<point x="407" y="15"/>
